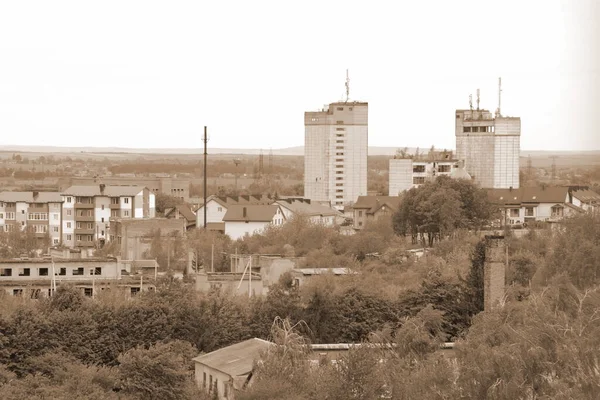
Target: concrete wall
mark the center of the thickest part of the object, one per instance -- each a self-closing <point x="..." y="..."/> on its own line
<point x="494" y="274"/>
<point x="130" y="233"/>
<point x="205" y="376"/>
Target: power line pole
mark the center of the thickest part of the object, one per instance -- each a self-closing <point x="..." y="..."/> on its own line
<point x="205" y="154"/>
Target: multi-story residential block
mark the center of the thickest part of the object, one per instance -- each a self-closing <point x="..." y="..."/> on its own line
<point x="406" y="173"/>
<point x="38" y="211"/>
<point x="490" y="146"/>
<point x="88" y="209"/>
<point x="335" y="153"/>
<point x="176" y="187"/>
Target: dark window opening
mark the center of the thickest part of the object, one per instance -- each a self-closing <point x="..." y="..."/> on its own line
<point x="43" y="272"/>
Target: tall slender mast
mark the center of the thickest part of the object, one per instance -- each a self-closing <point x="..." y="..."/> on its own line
<point x="205" y="194"/>
<point x="498" y="114"/>
<point x="347" y="86"/>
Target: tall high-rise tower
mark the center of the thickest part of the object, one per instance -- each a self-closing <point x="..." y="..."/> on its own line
<point x="490" y="146"/>
<point x="335" y="152"/>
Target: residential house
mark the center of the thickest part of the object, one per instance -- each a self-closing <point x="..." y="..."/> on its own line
<point x="241" y="220"/>
<point x="586" y="199"/>
<point x="315" y="212"/>
<point x="134" y="236"/>
<point x="371" y="208"/>
<point x="88" y="209"/>
<point x="529" y="204"/>
<point x="229" y="369"/>
<point x="303" y="275"/>
<point x="216" y="207"/>
<point x="38" y="211"/>
<point x="181" y="211"/>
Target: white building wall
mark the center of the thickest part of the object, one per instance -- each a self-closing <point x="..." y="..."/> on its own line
<point x="68" y="221"/>
<point x="54" y="222"/>
<point x="138" y="202"/>
<point x="102" y="217"/>
<point x="507" y="149"/>
<point x="126" y="204"/>
<point x="151" y="205"/>
<point x="214" y="213"/>
<point x="239" y="229"/>
<point x="400" y="176"/>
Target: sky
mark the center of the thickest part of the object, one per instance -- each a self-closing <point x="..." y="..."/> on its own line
<point x="152" y="74"/>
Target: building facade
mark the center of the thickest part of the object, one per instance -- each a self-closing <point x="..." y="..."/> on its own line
<point x="490" y="147"/>
<point x="176" y="187"/>
<point x="406" y="173"/>
<point x="38" y="211"/>
<point x="371" y="208"/>
<point x="134" y="235"/>
<point x="87" y="211"/>
<point x="335" y="153"/>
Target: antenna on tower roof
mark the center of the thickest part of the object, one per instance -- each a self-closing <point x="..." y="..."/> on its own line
<point x="498" y="114"/>
<point x="477" y="99"/>
<point x="347" y="86"/>
<point x="471" y="102"/>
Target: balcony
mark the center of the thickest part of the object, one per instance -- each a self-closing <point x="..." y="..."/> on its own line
<point x="84" y="243"/>
<point x="84" y="231"/>
<point x="84" y="205"/>
<point x="114" y="206"/>
<point x="81" y="218"/>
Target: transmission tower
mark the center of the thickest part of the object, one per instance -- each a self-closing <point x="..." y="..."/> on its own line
<point x="260" y="164"/>
<point x="270" y="161"/>
<point x="554" y="167"/>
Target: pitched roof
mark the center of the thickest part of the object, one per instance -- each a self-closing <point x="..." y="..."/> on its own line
<point x="586" y="195"/>
<point x="309" y="209"/>
<point x="255" y="213"/>
<point x="27" y="197"/>
<point x="237" y="359"/>
<point x="183" y="210"/>
<point x="374" y="203"/>
<point x="531" y="195"/>
<point x="110" y="191"/>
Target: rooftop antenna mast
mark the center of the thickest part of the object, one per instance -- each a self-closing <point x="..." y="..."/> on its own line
<point x="499" y="97"/>
<point x="471" y="102"/>
<point x="477" y="99"/>
<point x="347" y="86"/>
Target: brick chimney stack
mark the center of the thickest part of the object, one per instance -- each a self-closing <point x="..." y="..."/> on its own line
<point x="494" y="273"/>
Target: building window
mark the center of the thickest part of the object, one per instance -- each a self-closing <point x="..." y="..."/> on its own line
<point x="219" y="209"/>
<point x="360" y="223"/>
<point x="10" y="215"/>
<point x="102" y="207"/>
<point x="514" y="212"/>
<point x="68" y="225"/>
<point x="17" y="292"/>
<point x="134" y="290"/>
<point x="444" y="168"/>
<point x="557" y="211"/>
<point x="54" y="241"/>
<point x="418" y="169"/>
<point x="62" y="272"/>
<point x="69" y="212"/>
<point x="24" y="272"/>
<point x="466" y="129"/>
<point x="77" y="271"/>
<point x="102" y="219"/>
<point x="339" y="184"/>
<point x="339" y="154"/>
<point x="340" y="122"/>
<point x="360" y="213"/>
<point x="1" y="216"/>
<point x="340" y="108"/>
<point x="96" y="271"/>
<point x="69" y="238"/>
<point x="126" y="200"/>
<point x="204" y="379"/>
<point x="529" y="212"/>
<point x="339" y="178"/>
<point x="69" y="200"/>
<point x="55" y="229"/>
<point x="339" y="190"/>
<point x="114" y="200"/>
<point x="6" y="272"/>
<point x="43" y="272"/>
<point x="418" y="180"/>
<point x="88" y="292"/>
<point x="126" y="213"/>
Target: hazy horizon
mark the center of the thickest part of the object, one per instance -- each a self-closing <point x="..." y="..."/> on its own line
<point x="152" y="75"/>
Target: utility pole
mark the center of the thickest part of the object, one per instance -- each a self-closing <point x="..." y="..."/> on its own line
<point x="205" y="194"/>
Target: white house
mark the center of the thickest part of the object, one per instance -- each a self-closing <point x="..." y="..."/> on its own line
<point x="228" y="369"/>
<point x="315" y="212"/>
<point x="216" y="208"/>
<point x="241" y="220"/>
<point x="530" y="204"/>
<point x="586" y="199"/>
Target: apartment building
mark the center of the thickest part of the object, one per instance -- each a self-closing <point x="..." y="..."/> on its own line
<point x="335" y="153"/>
<point x="171" y="186"/>
<point x="87" y="211"/>
<point x="38" y="211"/>
<point x="406" y="173"/>
<point x="490" y="146"/>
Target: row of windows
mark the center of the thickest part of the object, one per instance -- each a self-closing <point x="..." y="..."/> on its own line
<point x="90" y="200"/>
<point x="478" y="129"/>
<point x="8" y="215"/>
<point x="46" y="271"/>
<point x="38" y="216"/>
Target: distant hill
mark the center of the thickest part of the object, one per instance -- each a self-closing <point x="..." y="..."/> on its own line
<point x="288" y="151"/>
